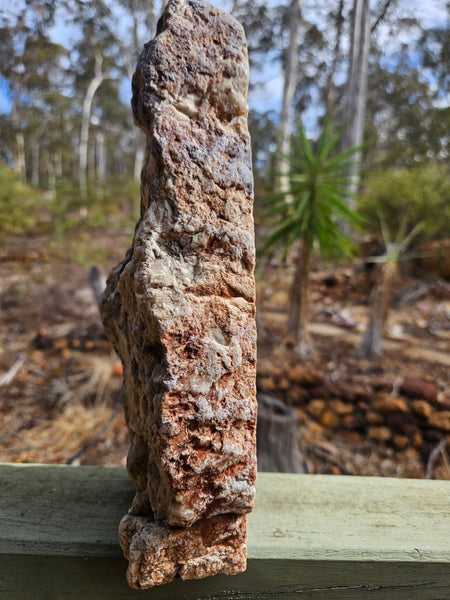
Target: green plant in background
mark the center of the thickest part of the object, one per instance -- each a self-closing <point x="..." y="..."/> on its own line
<point x="406" y="197"/>
<point x="311" y="212"/>
<point x="387" y="276"/>
<point x="63" y="213"/>
<point x="19" y="204"/>
<point x="103" y="205"/>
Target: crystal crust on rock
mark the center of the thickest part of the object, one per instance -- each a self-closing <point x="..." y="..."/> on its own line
<point x="180" y="308"/>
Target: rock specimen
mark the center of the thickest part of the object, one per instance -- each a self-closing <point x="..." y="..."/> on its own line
<point x="180" y="307"/>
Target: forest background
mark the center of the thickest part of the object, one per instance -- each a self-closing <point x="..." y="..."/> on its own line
<point x="66" y="69"/>
<point x="70" y="159"/>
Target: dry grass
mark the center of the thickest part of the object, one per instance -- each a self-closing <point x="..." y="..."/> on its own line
<point x="88" y="414"/>
<point x="67" y="435"/>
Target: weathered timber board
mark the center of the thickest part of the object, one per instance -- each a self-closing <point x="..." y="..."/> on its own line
<point x="309" y="537"/>
<point x="75" y="578"/>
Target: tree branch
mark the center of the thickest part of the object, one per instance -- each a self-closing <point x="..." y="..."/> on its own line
<point x="381" y="15"/>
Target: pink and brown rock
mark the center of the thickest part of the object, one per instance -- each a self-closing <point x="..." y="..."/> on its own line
<point x="180" y="308"/>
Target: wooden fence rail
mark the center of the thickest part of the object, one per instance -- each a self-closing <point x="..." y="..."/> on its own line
<point x="310" y="536"/>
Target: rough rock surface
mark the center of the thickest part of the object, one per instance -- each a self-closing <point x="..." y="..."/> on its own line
<point x="180" y="308"/>
<point x="210" y="546"/>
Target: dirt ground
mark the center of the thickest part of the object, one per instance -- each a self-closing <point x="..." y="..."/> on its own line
<point x="60" y="380"/>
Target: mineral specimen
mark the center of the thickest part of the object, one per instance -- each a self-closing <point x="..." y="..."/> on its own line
<point x="180" y="308"/>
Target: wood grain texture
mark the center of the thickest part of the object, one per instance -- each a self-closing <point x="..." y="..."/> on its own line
<point x="309" y="537"/>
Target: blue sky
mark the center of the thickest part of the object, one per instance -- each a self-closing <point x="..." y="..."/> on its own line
<point x="5" y="103"/>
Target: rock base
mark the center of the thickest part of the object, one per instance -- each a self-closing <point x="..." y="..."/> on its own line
<point x="158" y="554"/>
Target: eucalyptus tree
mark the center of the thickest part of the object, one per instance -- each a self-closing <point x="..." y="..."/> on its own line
<point x="434" y="50"/>
<point x="7" y="139"/>
<point x="364" y="23"/>
<point x="142" y="16"/>
<point x="97" y="56"/>
<point x="114" y="135"/>
<point x="290" y="78"/>
<point x="265" y="29"/>
<point x="409" y="97"/>
<point x="337" y="23"/>
<point x="355" y="106"/>
<point x="407" y="122"/>
<point x="61" y="128"/>
<point x="31" y="65"/>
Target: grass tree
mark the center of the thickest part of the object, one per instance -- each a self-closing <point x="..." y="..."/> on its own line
<point x="386" y="280"/>
<point x="309" y="213"/>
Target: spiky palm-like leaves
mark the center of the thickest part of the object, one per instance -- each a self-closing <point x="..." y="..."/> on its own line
<point x="387" y="278"/>
<point x="312" y="212"/>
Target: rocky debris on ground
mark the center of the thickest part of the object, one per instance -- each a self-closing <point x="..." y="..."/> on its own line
<point x="407" y="415"/>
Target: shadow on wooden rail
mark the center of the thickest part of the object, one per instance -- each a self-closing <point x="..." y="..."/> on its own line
<point x="310" y="536"/>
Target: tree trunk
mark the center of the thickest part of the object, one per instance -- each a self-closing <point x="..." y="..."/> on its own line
<point x="51" y="163"/>
<point x="382" y="14"/>
<point x="331" y="84"/>
<point x="19" y="150"/>
<point x="91" y="168"/>
<point x="100" y="157"/>
<point x="235" y="7"/>
<point x="58" y="164"/>
<point x="290" y="84"/>
<point x="35" y="163"/>
<point x="150" y="21"/>
<point x="356" y="93"/>
<point x="277" y="437"/>
<point x="380" y="301"/>
<point x="85" y="120"/>
<point x="19" y="162"/>
<point x="151" y="17"/>
<point x="298" y="320"/>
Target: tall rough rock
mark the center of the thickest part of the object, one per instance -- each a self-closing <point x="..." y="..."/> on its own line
<point x="180" y="308"/>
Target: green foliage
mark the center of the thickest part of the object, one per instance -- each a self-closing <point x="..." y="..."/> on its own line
<point x="314" y="206"/>
<point x="406" y="121"/>
<point x="117" y="201"/>
<point x="19" y="204"/>
<point x="24" y="209"/>
<point x="407" y="197"/>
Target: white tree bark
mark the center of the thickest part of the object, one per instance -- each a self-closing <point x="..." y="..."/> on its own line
<point x="100" y="157"/>
<point x="150" y="22"/>
<point x="290" y="83"/>
<point x="85" y="119"/>
<point x="357" y="87"/>
<point x="151" y="17"/>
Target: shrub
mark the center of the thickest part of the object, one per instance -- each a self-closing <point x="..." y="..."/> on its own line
<point x="104" y="205"/>
<point x="19" y="204"/>
<point x="407" y="197"/>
